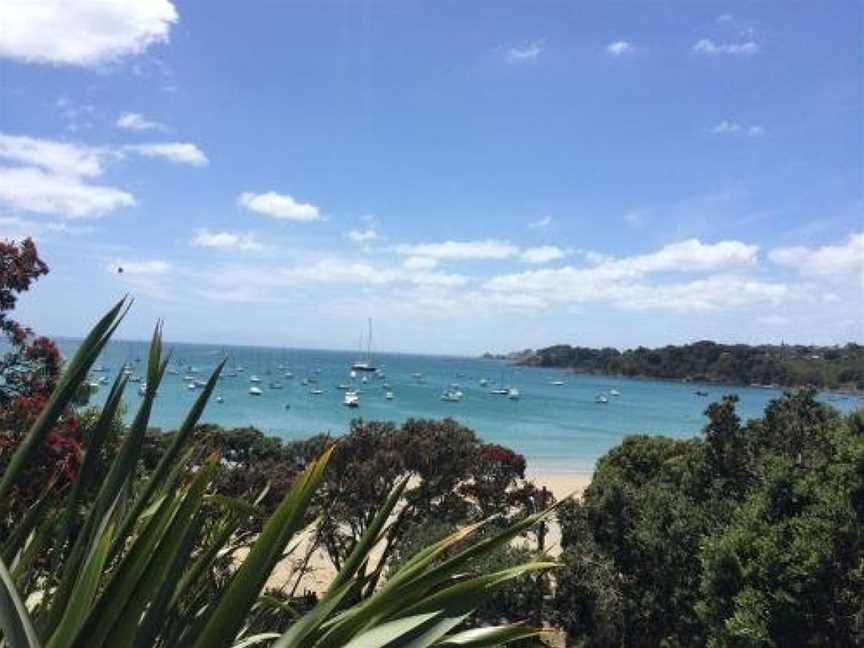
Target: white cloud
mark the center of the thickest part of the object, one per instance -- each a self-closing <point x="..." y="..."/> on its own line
<point x="178" y="152"/>
<point x="83" y="32"/>
<point x="461" y="250"/>
<point x="726" y="127"/>
<point x="362" y="236"/>
<point x="708" y="47"/>
<point x="34" y="190"/>
<point x="226" y="240"/>
<point x="137" y="122"/>
<point x="627" y="281"/>
<point x="541" y="223"/>
<point x="58" y="157"/>
<point x="619" y="48"/>
<point x="541" y="254"/>
<point x="525" y="53"/>
<point x="17" y="228"/>
<point x="152" y="267"/>
<point x="687" y="256"/>
<point x="419" y="263"/>
<point x="280" y="206"/>
<point x="829" y="261"/>
<point x="56" y="177"/>
<point x="152" y="277"/>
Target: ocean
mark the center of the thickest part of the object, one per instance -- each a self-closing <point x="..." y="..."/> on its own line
<point x="559" y="428"/>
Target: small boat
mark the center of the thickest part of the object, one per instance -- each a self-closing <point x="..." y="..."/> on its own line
<point x="200" y="383"/>
<point x="254" y="379"/>
<point x="304" y="382"/>
<point x="452" y="396"/>
<point x="513" y="393"/>
<point x="240" y="369"/>
<point x="255" y="391"/>
<point x="191" y="386"/>
<point x="289" y="375"/>
<point x="172" y="372"/>
<point x="103" y="380"/>
<point x="275" y="384"/>
<point x="416" y="374"/>
<point x="287" y="405"/>
<point x="389" y="395"/>
<point x="601" y="399"/>
<point x="142" y="389"/>
<point x="557" y="383"/>
<point x="701" y="393"/>
<point x="614" y="392"/>
<point x="220" y="399"/>
<point x="93" y="385"/>
<point x="351" y="399"/>
<point x="100" y="368"/>
<point x="134" y="379"/>
<point x="343" y="386"/>
<point x="315" y="391"/>
<point x="188" y="377"/>
<point x="230" y="374"/>
<point x="484" y="382"/>
<point x="502" y="391"/>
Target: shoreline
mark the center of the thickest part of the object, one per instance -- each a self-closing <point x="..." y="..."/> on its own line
<point x="838" y="391"/>
<point x="560" y="483"/>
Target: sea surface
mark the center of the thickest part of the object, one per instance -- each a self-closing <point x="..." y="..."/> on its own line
<point x="559" y="428"/>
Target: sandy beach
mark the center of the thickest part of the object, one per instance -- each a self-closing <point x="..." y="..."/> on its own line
<point x="321" y="572"/>
<point x="561" y="484"/>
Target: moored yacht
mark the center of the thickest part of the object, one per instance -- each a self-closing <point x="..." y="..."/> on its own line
<point x="351" y="399"/>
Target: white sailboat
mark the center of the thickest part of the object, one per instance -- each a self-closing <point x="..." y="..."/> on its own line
<point x="366" y="364"/>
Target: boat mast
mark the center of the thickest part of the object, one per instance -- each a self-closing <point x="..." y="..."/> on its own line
<point x="369" y="344"/>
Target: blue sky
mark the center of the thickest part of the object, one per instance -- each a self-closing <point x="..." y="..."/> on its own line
<point x="471" y="175"/>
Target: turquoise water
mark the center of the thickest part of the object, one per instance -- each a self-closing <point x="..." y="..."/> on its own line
<point x="558" y="428"/>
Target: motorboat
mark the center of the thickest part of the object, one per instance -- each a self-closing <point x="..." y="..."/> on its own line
<point x="351" y="399"/>
<point x="389" y="395"/>
<point x="513" y="393"/>
<point x="452" y="396"/>
<point x="614" y="392"/>
<point x="254" y="379"/>
<point x="255" y="391"/>
<point x="601" y="399"/>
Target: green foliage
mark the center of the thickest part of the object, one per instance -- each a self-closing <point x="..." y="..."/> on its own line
<point x="146" y="556"/>
<point x="785" y="365"/>
<point x="751" y="536"/>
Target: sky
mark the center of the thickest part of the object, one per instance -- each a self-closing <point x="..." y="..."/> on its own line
<point x="471" y="175"/>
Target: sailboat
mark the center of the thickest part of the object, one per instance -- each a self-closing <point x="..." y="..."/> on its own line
<point x="255" y="391"/>
<point x="366" y="364"/>
<point x="513" y="393"/>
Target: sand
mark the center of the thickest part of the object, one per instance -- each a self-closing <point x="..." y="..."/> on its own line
<point x="320" y="571"/>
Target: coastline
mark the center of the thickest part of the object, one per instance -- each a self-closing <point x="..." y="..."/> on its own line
<point x="837" y="391"/>
<point x="560" y="483"/>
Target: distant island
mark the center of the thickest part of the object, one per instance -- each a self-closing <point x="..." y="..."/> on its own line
<point x="836" y="367"/>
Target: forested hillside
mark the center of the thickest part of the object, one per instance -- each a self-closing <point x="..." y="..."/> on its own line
<point x="784" y="365"/>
